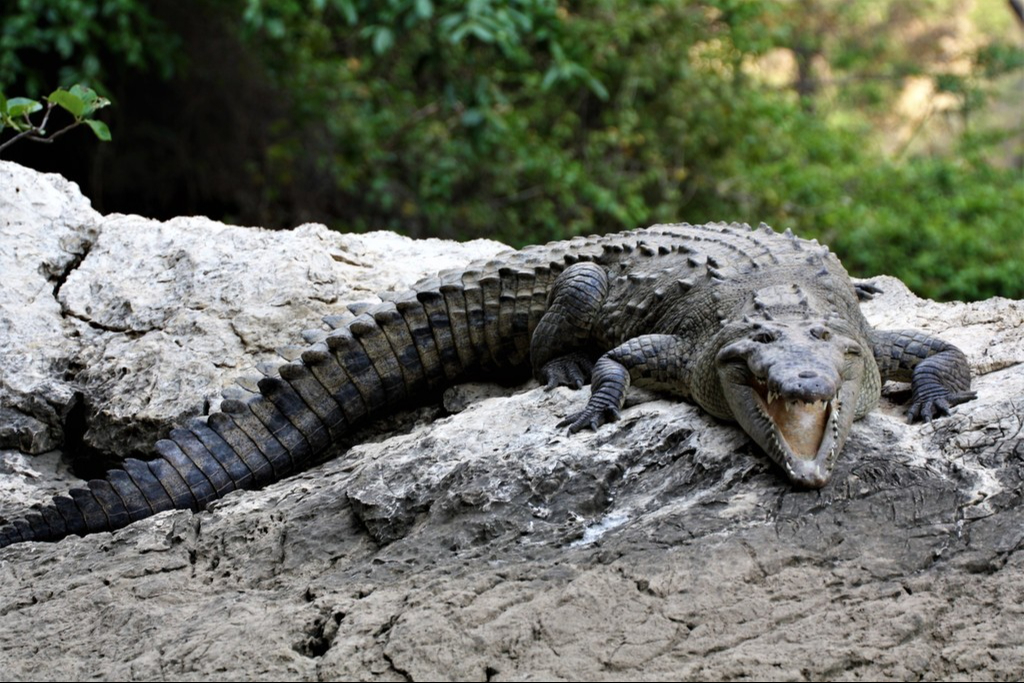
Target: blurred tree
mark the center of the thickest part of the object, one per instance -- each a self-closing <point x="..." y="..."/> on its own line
<point x="527" y="120"/>
<point x="81" y="41"/>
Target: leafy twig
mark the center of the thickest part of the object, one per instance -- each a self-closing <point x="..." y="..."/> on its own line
<point x="81" y="102"/>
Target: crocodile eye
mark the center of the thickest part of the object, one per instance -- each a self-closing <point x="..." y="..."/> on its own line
<point x="821" y="332"/>
<point x="765" y="337"/>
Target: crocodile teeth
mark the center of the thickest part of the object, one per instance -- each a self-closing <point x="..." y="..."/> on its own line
<point x="794" y="403"/>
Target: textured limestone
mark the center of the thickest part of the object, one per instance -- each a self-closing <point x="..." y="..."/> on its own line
<point x="476" y="541"/>
<point x="47" y="227"/>
<point x="115" y="327"/>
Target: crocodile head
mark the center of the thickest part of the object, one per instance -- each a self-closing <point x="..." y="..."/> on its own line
<point x="795" y="387"/>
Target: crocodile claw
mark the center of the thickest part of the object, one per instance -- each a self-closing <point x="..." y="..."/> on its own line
<point x="590" y="418"/>
<point x="939" y="383"/>
<point x="930" y="408"/>
<point x="572" y="370"/>
<point x="866" y="290"/>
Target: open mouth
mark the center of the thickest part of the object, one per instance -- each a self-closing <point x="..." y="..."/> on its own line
<point x="804" y="431"/>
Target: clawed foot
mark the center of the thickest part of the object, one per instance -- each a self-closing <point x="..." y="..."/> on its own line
<point x="931" y="407"/>
<point x="571" y="371"/>
<point x="939" y="383"/>
<point x="866" y="290"/>
<point x="590" y="418"/>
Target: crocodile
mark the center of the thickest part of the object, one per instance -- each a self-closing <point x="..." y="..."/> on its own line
<point x="754" y="326"/>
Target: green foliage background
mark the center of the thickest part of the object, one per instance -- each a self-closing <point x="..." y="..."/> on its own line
<point x="532" y="120"/>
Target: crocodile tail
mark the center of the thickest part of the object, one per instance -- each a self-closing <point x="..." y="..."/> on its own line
<point x="385" y="356"/>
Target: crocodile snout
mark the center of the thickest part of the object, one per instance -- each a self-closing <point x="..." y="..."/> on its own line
<point x="791" y="382"/>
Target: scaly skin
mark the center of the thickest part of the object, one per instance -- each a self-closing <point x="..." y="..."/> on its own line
<point x="756" y="327"/>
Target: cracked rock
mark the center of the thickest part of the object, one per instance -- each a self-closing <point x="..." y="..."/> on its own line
<point x="46" y="225"/>
<point x="486" y="543"/>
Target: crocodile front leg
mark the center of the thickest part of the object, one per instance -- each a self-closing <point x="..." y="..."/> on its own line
<point x="939" y="374"/>
<point x="562" y="348"/>
<point x="654" y="361"/>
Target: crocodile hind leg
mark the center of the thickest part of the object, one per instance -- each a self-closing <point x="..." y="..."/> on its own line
<point x="654" y="361"/>
<point x="938" y="372"/>
<point x="561" y="349"/>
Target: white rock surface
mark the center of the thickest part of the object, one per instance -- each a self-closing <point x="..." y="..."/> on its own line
<point x="136" y="324"/>
<point x="46" y="226"/>
<point x="482" y="543"/>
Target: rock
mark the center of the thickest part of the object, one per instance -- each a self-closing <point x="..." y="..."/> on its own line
<point x="47" y="228"/>
<point x="120" y="326"/>
<point x="476" y="542"/>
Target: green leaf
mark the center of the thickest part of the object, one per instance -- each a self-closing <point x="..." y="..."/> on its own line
<point x="424" y="9"/>
<point x="89" y="97"/>
<point x="456" y="35"/>
<point x="275" y="27"/>
<point x="348" y="10"/>
<point x="596" y="86"/>
<point x="482" y="33"/>
<point x="449" y="23"/>
<point x="99" y="128"/>
<point x="19" y="106"/>
<point x="550" y="77"/>
<point x="62" y="98"/>
<point x="3" y="104"/>
<point x="383" y="39"/>
<point x="472" y="117"/>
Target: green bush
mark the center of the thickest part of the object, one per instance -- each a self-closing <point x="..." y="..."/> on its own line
<point x="531" y="120"/>
<point x="527" y="121"/>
